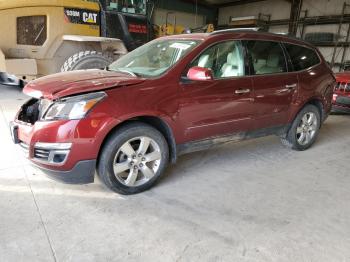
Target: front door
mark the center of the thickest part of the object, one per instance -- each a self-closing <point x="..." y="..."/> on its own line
<point x="220" y="106"/>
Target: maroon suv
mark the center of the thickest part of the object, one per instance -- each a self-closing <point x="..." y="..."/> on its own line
<point x="172" y="96"/>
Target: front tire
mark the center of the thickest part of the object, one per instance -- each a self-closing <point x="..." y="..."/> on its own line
<point x="304" y="130"/>
<point x="133" y="159"/>
<point x="86" y="60"/>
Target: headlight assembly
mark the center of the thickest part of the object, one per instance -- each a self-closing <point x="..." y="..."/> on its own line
<point x="75" y="107"/>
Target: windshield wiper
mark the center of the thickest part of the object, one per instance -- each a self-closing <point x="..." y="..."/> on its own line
<point x="126" y="71"/>
<point x="122" y="71"/>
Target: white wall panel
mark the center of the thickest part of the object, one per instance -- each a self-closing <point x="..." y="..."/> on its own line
<point x="279" y="9"/>
<point x="324" y="7"/>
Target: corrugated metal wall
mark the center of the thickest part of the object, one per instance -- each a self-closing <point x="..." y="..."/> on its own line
<point x="280" y="9"/>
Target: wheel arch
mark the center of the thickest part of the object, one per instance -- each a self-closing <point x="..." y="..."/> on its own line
<point x="319" y="104"/>
<point x="154" y="121"/>
<point x="316" y="101"/>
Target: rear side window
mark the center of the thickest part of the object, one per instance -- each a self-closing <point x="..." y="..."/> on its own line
<point x="31" y="30"/>
<point x="302" y="57"/>
<point x="267" y="57"/>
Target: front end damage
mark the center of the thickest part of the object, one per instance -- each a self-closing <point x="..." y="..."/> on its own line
<point x="33" y="110"/>
<point x="39" y="140"/>
<point x="45" y="153"/>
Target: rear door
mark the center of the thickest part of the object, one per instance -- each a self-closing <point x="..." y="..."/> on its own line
<point x="220" y="106"/>
<point x="273" y="86"/>
<point x="304" y="62"/>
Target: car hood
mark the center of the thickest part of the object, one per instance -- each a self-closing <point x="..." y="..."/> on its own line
<point x="76" y="82"/>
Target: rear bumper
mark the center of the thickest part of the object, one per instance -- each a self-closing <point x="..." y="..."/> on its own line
<point x="82" y="173"/>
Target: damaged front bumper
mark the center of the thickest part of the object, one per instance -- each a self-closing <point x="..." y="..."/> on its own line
<point x="82" y="173"/>
<point x="48" y="156"/>
<point x="57" y="157"/>
<point x="51" y="160"/>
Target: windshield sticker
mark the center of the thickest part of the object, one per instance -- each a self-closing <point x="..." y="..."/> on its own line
<point x="180" y="46"/>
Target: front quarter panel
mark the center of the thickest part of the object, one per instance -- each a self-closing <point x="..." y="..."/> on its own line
<point x="156" y="98"/>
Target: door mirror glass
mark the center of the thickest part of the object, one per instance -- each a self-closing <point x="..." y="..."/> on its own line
<point x="200" y="74"/>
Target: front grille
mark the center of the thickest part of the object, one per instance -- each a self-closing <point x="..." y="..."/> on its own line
<point x="41" y="154"/>
<point x="342" y="87"/>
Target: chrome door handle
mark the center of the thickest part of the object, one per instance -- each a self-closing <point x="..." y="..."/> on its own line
<point x="287" y="88"/>
<point x="292" y="86"/>
<point x="242" y="91"/>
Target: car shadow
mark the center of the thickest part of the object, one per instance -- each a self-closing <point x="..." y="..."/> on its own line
<point x="340" y="114"/>
<point x="254" y="152"/>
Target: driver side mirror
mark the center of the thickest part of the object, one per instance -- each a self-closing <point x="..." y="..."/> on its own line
<point x="200" y="74"/>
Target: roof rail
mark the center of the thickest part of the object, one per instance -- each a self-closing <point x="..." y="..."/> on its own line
<point x="232" y="30"/>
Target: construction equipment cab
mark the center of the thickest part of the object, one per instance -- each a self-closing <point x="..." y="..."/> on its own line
<point x="43" y="37"/>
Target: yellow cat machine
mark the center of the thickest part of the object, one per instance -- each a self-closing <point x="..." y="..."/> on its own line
<point x="172" y="28"/>
<point x="41" y="37"/>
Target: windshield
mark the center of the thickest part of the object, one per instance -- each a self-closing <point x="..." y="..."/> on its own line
<point x="154" y="58"/>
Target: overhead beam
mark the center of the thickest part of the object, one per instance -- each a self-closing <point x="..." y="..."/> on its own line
<point x="237" y="2"/>
<point x="200" y="3"/>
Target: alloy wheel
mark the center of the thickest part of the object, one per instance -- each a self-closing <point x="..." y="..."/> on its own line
<point x="307" y="128"/>
<point x="137" y="161"/>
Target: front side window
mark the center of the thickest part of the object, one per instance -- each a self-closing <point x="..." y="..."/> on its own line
<point x="154" y="58"/>
<point x="224" y="59"/>
<point x="267" y="57"/>
<point x="31" y="30"/>
<point x="302" y="57"/>
<point x="127" y="6"/>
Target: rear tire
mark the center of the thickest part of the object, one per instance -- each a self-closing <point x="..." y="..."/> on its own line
<point x="86" y="60"/>
<point x="133" y="159"/>
<point x="304" y="130"/>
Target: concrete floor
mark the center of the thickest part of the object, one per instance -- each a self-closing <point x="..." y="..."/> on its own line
<point x="251" y="201"/>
